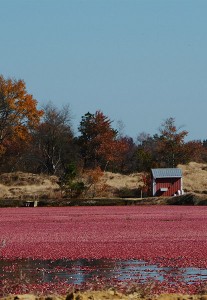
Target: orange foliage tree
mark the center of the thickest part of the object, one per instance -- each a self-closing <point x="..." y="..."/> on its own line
<point x="18" y="112"/>
<point x="93" y="177"/>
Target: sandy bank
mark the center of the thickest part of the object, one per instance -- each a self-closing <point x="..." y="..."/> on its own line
<point x="110" y="295"/>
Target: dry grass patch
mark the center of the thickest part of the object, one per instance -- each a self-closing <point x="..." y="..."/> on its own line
<point x="118" y="181"/>
<point x="194" y="177"/>
<point x="26" y="185"/>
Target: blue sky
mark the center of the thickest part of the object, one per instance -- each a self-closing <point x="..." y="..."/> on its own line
<point x="138" y="61"/>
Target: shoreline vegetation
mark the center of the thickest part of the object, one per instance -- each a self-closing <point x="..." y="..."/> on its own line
<point x="186" y="199"/>
<point x="108" y="294"/>
<point x="17" y="188"/>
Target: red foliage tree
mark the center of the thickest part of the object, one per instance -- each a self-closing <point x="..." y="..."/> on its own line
<point x="98" y="141"/>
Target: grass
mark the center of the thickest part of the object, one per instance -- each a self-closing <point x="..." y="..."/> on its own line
<point x="21" y="186"/>
<point x="194" y="177"/>
<point x="26" y="185"/>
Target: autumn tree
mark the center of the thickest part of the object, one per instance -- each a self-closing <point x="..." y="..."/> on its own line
<point x="98" y="141"/>
<point x="171" y="143"/>
<point x="92" y="181"/>
<point x="18" y="117"/>
<point x="53" y="145"/>
<point x="127" y="162"/>
<point x="194" y="151"/>
<point x="146" y="153"/>
<point x="18" y="112"/>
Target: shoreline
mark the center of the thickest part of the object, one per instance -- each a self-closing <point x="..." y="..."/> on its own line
<point x="186" y="199"/>
<point x="107" y="294"/>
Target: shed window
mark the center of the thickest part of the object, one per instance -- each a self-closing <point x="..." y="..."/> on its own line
<point x="164" y="189"/>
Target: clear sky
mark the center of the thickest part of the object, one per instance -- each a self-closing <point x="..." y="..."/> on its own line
<point x="138" y="61"/>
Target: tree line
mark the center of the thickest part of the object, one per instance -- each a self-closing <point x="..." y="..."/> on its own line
<point x="42" y="140"/>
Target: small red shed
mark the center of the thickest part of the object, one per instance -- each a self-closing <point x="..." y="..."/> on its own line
<point x="166" y="182"/>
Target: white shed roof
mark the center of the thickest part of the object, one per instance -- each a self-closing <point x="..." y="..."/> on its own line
<point x="166" y="172"/>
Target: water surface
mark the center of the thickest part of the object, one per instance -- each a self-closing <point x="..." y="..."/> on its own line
<point x="80" y="271"/>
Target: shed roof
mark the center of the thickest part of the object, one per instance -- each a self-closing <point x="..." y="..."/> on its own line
<point x="166" y="172"/>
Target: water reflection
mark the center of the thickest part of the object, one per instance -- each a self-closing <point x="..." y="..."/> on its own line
<point x="80" y="271"/>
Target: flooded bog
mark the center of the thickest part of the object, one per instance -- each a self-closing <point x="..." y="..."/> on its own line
<point x="25" y="275"/>
<point x="161" y="246"/>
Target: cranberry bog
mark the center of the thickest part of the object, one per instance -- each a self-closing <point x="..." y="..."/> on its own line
<point x="154" y="248"/>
